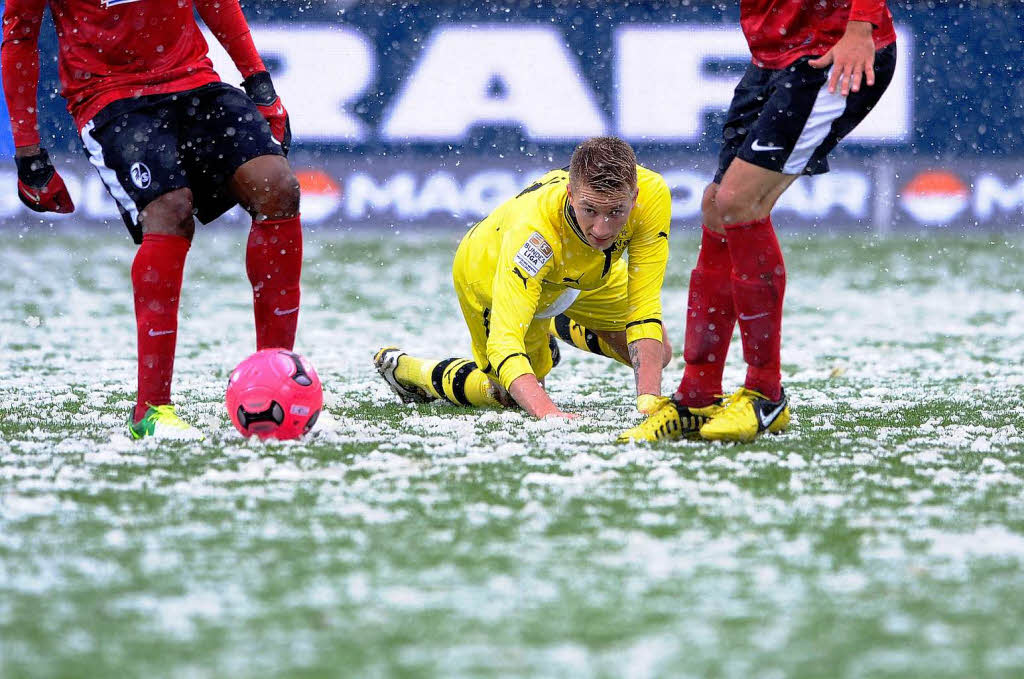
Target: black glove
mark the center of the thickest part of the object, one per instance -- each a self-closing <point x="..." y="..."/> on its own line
<point x="40" y="187"/>
<point x="261" y="90"/>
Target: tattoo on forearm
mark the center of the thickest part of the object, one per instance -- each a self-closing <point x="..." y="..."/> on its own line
<point x="634" y="359"/>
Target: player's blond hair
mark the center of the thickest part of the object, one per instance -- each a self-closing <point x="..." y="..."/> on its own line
<point x="605" y="164"/>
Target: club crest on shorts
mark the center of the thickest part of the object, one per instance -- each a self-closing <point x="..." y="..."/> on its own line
<point x="141" y="175"/>
<point x="534" y="254"/>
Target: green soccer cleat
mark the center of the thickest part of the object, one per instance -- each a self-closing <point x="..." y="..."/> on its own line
<point x="386" y="362"/>
<point x="747" y="415"/>
<point x="671" y="421"/>
<point x="161" y="422"/>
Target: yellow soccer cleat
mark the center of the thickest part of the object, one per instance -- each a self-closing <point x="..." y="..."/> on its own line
<point x="670" y="421"/>
<point x="747" y="415"/>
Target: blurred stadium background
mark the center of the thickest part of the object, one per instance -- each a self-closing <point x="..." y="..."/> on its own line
<point x="428" y="113"/>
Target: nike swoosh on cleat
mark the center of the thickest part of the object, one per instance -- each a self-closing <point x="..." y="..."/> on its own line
<point x="751" y="317"/>
<point x="157" y="333"/>
<point x="767" y="421"/>
<point x="758" y="146"/>
<point x="34" y="196"/>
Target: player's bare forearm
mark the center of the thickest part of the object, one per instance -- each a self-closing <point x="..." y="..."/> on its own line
<point x="531" y="397"/>
<point x="647" y="356"/>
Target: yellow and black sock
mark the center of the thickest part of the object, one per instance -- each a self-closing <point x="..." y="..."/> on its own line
<point x="457" y="380"/>
<point x="575" y="334"/>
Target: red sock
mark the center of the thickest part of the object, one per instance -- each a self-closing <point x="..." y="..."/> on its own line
<point x="156" y="282"/>
<point x="758" y="286"/>
<point x="710" y="320"/>
<point x="273" y="260"/>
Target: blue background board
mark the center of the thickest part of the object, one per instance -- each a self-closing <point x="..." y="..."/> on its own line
<point x="6" y="140"/>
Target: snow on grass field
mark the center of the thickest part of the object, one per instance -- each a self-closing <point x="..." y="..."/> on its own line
<point x="883" y="536"/>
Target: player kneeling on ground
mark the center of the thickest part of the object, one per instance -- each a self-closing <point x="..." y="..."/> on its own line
<point x="169" y="140"/>
<point x="817" y="70"/>
<point x="549" y="263"/>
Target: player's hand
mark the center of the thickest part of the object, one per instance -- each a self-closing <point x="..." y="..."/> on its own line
<point x="261" y="90"/>
<point x="852" y="59"/>
<point x="40" y="187"/>
<point x="648" y="403"/>
<point x="559" y="415"/>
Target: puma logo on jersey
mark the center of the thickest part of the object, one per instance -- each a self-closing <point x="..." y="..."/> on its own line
<point x="519" y="273"/>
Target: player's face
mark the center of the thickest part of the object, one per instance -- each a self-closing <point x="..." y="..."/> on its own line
<point x="601" y="215"/>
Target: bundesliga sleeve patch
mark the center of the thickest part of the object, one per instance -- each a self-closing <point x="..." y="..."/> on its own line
<point x="534" y="254"/>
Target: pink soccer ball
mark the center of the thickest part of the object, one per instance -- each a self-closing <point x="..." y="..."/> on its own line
<point x="274" y="393"/>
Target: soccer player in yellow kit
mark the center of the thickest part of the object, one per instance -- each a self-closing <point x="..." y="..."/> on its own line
<point x="549" y="262"/>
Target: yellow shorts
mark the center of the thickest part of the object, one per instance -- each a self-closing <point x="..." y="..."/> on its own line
<point x="604" y="308"/>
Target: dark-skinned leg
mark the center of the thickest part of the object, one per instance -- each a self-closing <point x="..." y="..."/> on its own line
<point x="268" y="189"/>
<point x="167" y="227"/>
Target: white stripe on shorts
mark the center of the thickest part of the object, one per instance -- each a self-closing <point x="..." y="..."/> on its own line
<point x="108" y="176"/>
<point x="827" y="107"/>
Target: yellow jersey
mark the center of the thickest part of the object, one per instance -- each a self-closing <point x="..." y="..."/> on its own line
<point x="521" y="259"/>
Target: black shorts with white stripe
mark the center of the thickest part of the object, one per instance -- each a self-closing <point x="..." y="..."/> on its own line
<point x="787" y="121"/>
<point x="144" y="147"/>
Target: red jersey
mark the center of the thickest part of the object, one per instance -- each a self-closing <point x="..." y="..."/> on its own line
<point x="781" y="31"/>
<point x="116" y="49"/>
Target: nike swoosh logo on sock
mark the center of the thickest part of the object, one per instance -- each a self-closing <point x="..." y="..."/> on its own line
<point x="285" y="312"/>
<point x="157" y="333"/>
<point x="751" y="317"/>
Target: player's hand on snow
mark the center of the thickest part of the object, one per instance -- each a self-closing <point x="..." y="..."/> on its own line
<point x="648" y="403"/>
<point x="261" y="90"/>
<point x="39" y="186"/>
<point x="560" y="415"/>
<point x="852" y="59"/>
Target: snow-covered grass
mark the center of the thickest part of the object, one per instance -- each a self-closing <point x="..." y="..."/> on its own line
<point x="882" y="536"/>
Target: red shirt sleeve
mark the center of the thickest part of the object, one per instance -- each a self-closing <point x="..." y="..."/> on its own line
<point x="19" y="61"/>
<point x="225" y="19"/>
<point x="873" y="11"/>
